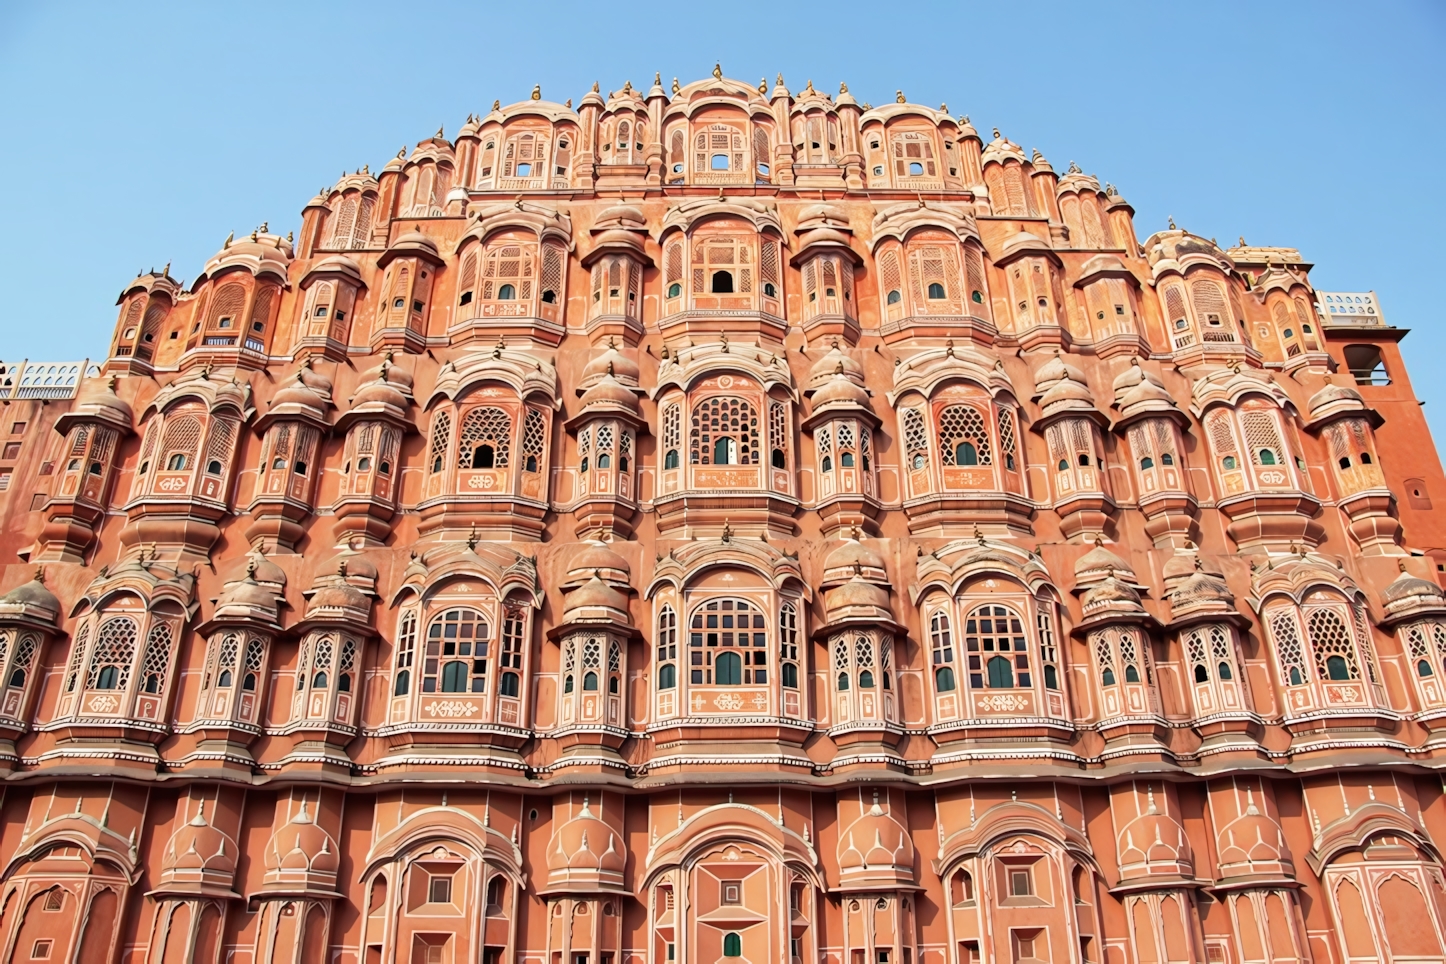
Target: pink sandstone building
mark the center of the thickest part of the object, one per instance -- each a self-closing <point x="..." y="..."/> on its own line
<point x="723" y="524"/>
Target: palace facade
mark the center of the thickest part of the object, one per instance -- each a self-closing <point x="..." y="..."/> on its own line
<point x="724" y="524"/>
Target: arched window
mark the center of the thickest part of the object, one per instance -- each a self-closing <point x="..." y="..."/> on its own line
<point x="724" y="427"/>
<point x="728" y="669"/>
<point x="1332" y="645"/>
<point x="728" y="643"/>
<point x="732" y="945"/>
<point x="942" y="644"/>
<point x="721" y="283"/>
<point x="672" y="435"/>
<point x="990" y="630"/>
<point x="788" y="644"/>
<point x="963" y="438"/>
<point x="484" y="439"/>
<point x="115" y="650"/>
<point x="667" y="676"/>
<point x="460" y="637"/>
<point x="936" y="291"/>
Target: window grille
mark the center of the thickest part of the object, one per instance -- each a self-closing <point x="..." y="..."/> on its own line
<point x="960" y="424"/>
<point x="484" y="426"/>
<point x="725" y="417"/>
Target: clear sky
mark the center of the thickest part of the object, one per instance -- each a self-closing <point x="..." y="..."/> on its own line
<point x="132" y="135"/>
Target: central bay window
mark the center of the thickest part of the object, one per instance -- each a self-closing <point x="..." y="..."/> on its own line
<point x="730" y="266"/>
<point x="120" y="666"/>
<point x="1323" y="654"/>
<point x="1249" y="449"/>
<point x="456" y="655"/>
<point x="962" y="441"/>
<point x="997" y="651"/>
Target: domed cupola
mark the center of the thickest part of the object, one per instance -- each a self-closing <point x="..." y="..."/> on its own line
<point x="1153" y="844"/>
<point x="1061" y="388"/>
<point x="612" y="362"/>
<point x="596" y="559"/>
<point x="836" y="361"/>
<point x="31" y="603"/>
<point x="853" y="557"/>
<point x="595" y="602"/>
<point x="1411" y="597"/>
<point x="585" y="855"/>
<point x="874" y="850"/>
<point x="199" y="860"/>
<point x="301" y="858"/>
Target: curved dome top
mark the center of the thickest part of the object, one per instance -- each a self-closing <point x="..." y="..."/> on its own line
<point x="853" y="554"/>
<point x="198" y="847"/>
<point x="98" y="398"/>
<point x="821" y="372"/>
<point x="611" y="361"/>
<point x="301" y="847"/>
<point x="308" y="388"/>
<point x="609" y="393"/>
<point x="1098" y="563"/>
<point x="594" y="599"/>
<point x="1406" y="586"/>
<point x="587" y="844"/>
<point x="875" y="843"/>
<point x="597" y="558"/>
<point x="34" y="599"/>
<point x="840" y="391"/>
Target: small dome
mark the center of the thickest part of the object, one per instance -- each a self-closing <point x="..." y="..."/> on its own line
<point x="308" y="389"/>
<point x="594" y="599"/>
<point x="853" y="554"/>
<point x="99" y="398"/>
<point x="623" y="368"/>
<point x="1055" y="370"/>
<point x="1334" y="398"/>
<point x="1066" y="393"/>
<point x="821" y="372"/>
<point x="840" y="391"/>
<point x="586" y="845"/>
<point x="1099" y="563"/>
<point x="334" y="592"/>
<point x="1111" y="594"/>
<point x="198" y="847"/>
<point x="875" y="844"/>
<point x="247" y="593"/>
<point x="609" y="393"/>
<point x="414" y="242"/>
<point x="1408" y="587"/>
<point x="33" y="596"/>
<point x="855" y="594"/>
<point x="1200" y="588"/>
<point x="301" y="847"/>
<point x="596" y="558"/>
<point x="256" y="566"/>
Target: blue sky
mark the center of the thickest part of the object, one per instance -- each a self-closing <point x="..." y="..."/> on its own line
<point x="135" y="134"/>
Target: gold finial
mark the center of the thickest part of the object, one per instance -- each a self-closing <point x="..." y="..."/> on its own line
<point x="899" y="97"/>
<point x="1242" y="240"/>
<point x="676" y="89"/>
<point x="253" y="235"/>
<point x="843" y="88"/>
<point x="727" y="531"/>
<point x="40" y="574"/>
<point x="627" y="86"/>
<point x="808" y="87"/>
<point x="472" y="538"/>
<point x="657" y="78"/>
<point x="1171" y="219"/>
<point x="341" y="569"/>
<point x="610" y="369"/>
<point x="718" y="71"/>
<point x="943" y="108"/>
<point x="996" y="133"/>
<point x="537" y="92"/>
<point x="1099" y="541"/>
<point x="497" y="104"/>
<point x="763" y="85"/>
<point x="567" y="103"/>
<point x="229" y="238"/>
<point x="595" y="88"/>
<point x="289" y="237"/>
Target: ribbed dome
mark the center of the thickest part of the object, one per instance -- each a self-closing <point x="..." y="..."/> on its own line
<point x="588" y="846"/>
<point x="301" y="847"/>
<point x="821" y="372"/>
<point x="198" y="847"/>
<point x="623" y="368"/>
<point x="1406" y="586"/>
<point x="875" y="844"/>
<point x="1098" y="563"/>
<point x="33" y="595"/>
<point x="258" y="567"/>
<point x="413" y="242"/>
<point x="609" y="393"/>
<point x="99" y="397"/>
<point x="308" y="388"/>
<point x="840" y="391"/>
<point x="596" y="558"/>
<point x="856" y="593"/>
<point x="593" y="599"/>
<point x="852" y="552"/>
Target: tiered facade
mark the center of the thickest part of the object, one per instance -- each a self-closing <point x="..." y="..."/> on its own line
<point x="725" y="524"/>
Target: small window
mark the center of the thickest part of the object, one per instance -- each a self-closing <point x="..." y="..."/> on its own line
<point x="894" y="297"/>
<point x="1147" y="463"/>
<point x="1366" y="365"/>
<point x="732" y="945"/>
<point x="878" y="170"/>
<point x="399" y="303"/>
<point x="1229" y="462"/>
<point x="1267" y="457"/>
<point x="176" y="463"/>
<point x="506" y="293"/>
<point x="719" y="162"/>
<point x="40" y="950"/>
<point x="770" y="290"/>
<point x="1345" y="461"/>
<point x="1020" y="884"/>
<point x="722" y="283"/>
<point x="675" y="290"/>
<point x="944" y="679"/>
<point x="778" y="460"/>
<point x="213" y="467"/>
<point x="549" y="297"/>
<point x="936" y="291"/>
<point x="670" y="460"/>
<point x="466" y="298"/>
<point x="1336" y="668"/>
<point x="915" y="169"/>
<point x="1167" y="459"/>
<point x="224" y="323"/>
<point x="439" y="890"/>
<point x="731" y="892"/>
<point x="524" y="170"/>
<point x="977" y="297"/>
